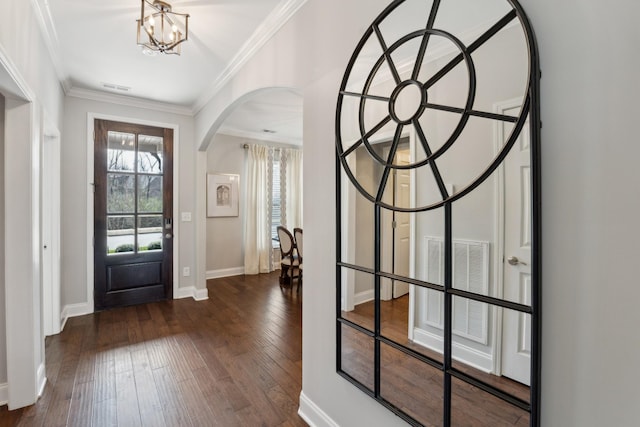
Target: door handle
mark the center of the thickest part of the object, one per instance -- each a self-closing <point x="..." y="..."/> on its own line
<point x="513" y="260"/>
<point x="168" y="236"/>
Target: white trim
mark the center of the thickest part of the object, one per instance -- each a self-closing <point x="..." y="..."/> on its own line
<point x="498" y="263"/>
<point x="4" y="394"/>
<point x="18" y="85"/>
<point x="129" y="101"/>
<point x="91" y="117"/>
<point x="362" y="297"/>
<point x="74" y="310"/>
<point x="312" y="414"/>
<point x="192" y="292"/>
<point x="50" y="36"/>
<point x="465" y="354"/>
<point x="225" y="272"/>
<point x="41" y="378"/>
<point x="263" y="33"/>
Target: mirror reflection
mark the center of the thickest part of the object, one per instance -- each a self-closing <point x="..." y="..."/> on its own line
<point x="433" y="135"/>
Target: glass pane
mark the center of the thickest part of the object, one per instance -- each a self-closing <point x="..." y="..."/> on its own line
<point x="357" y="355"/>
<point x="471" y="406"/>
<point x="120" y="237"/>
<point x="150" y="193"/>
<point x="411" y="385"/>
<point x="120" y="193"/>
<point x="475" y="348"/>
<point x="492" y="232"/>
<point x="357" y="297"/>
<point x="427" y="325"/>
<point x="357" y="227"/>
<point x="121" y="151"/>
<point x="149" y="232"/>
<point x="397" y="323"/>
<point x="150" y="154"/>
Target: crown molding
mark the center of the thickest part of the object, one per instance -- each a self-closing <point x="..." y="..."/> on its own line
<point x="50" y="36"/>
<point x="276" y="19"/>
<point x="260" y="136"/>
<point x="128" y="101"/>
<point x="12" y="84"/>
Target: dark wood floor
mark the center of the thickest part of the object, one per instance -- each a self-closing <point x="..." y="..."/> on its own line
<point x="234" y="360"/>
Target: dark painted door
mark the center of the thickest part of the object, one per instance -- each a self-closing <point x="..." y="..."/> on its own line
<point x="133" y="224"/>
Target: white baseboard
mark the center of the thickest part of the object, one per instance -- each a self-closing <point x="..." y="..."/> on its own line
<point x="42" y="381"/>
<point x="74" y="310"/>
<point x="4" y="394"/>
<point x="312" y="414"/>
<point x="465" y="354"/>
<point x="362" y="297"/>
<point x="192" y="292"/>
<point x="225" y="272"/>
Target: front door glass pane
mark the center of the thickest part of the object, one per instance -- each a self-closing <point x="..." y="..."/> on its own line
<point x="121" y="151"/>
<point x="150" y="154"/>
<point x="150" y="193"/>
<point x="149" y="233"/>
<point x="120" y="234"/>
<point x="120" y="193"/>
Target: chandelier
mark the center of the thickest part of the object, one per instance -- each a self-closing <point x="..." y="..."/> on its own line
<point x="160" y="29"/>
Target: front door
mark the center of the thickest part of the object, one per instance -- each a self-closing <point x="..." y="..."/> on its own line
<point x="133" y="205"/>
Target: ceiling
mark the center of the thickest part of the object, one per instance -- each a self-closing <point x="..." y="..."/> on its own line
<point x="93" y="45"/>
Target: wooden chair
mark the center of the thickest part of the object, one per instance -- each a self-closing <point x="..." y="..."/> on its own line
<point x="288" y="256"/>
<point x="297" y="234"/>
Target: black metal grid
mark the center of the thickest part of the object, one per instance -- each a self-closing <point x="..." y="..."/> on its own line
<point x="530" y="109"/>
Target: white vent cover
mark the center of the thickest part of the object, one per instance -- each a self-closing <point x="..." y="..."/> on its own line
<point x="470" y="273"/>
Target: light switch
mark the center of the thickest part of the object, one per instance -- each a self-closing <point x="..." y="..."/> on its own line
<point x="186" y="216"/>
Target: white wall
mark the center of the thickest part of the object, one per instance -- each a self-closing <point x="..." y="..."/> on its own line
<point x="75" y="188"/>
<point x="590" y="208"/>
<point x="3" y="323"/>
<point x="225" y="236"/>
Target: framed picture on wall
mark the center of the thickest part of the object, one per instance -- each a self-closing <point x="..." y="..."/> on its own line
<point x="222" y="194"/>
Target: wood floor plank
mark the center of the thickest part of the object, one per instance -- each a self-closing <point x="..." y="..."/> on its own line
<point x="81" y="408"/>
<point x="173" y="409"/>
<point x="128" y="407"/>
<point x="146" y="392"/>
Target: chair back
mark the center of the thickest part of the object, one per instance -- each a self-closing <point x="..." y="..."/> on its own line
<point x="286" y="241"/>
<point x="297" y="233"/>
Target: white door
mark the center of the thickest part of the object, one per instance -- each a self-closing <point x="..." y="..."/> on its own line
<point x="402" y="230"/>
<point x="50" y="222"/>
<point x="516" y="330"/>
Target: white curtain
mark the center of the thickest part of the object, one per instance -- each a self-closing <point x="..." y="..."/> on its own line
<point x="292" y="162"/>
<point x="257" y="245"/>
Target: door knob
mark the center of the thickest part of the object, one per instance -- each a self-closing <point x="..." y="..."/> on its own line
<point x="168" y="236"/>
<point x="513" y="260"/>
